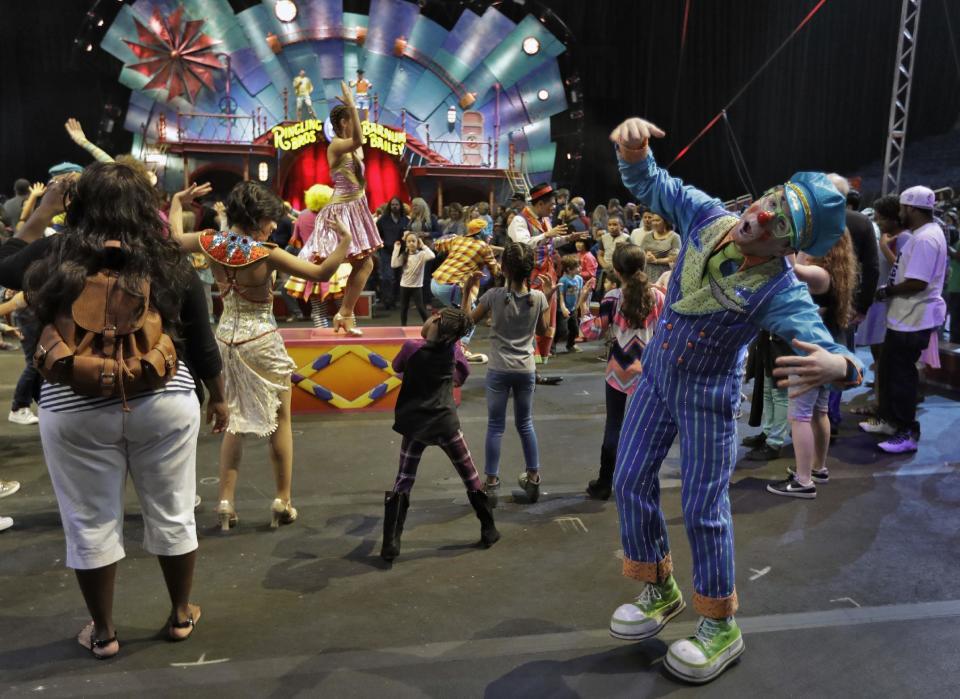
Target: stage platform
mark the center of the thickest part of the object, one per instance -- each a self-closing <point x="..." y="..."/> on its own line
<point x="337" y="372"/>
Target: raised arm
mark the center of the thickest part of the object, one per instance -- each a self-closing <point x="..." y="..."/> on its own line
<point x="339" y="146"/>
<point x="650" y="184"/>
<point x="548" y="289"/>
<point x="75" y="131"/>
<point x="51" y="204"/>
<point x="191" y="242"/>
<point x="285" y="262"/>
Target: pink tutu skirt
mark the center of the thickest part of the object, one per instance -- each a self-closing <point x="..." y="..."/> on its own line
<point x="356" y="216"/>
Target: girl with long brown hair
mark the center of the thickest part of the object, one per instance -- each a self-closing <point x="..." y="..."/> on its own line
<point x="631" y="311"/>
<point x="832" y="280"/>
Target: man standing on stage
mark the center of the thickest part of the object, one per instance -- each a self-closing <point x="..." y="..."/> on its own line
<point x="730" y="280"/>
<point x="532" y="227"/>
<point x="362" y="87"/>
<point x="302" y="88"/>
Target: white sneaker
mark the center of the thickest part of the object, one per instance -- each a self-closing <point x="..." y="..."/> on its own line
<point x="8" y="488"/>
<point x="475" y="358"/>
<point x="23" y="416"/>
<point x="877" y="426"/>
<point x="5" y="523"/>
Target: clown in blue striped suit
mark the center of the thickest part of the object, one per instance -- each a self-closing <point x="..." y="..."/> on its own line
<point x="731" y="279"/>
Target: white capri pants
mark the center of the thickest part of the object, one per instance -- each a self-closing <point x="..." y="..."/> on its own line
<point x="89" y="454"/>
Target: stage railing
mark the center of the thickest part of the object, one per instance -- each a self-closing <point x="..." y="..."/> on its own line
<point x="240" y="128"/>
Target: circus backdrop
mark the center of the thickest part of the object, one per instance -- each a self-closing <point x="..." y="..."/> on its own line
<point x="206" y="79"/>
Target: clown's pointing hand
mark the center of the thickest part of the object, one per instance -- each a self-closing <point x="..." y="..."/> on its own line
<point x="633" y="136"/>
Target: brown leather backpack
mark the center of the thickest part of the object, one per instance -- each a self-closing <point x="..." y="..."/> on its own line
<point x="110" y="345"/>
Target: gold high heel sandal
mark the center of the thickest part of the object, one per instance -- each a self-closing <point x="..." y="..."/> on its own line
<point x="227" y="516"/>
<point x="282" y="513"/>
<point x="348" y="324"/>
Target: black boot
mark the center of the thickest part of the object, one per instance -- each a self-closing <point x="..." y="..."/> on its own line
<point x="488" y="530"/>
<point x="394" y="515"/>
<point x="598" y="490"/>
<point x="602" y="487"/>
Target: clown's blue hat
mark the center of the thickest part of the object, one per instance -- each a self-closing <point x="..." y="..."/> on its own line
<point x="818" y="212"/>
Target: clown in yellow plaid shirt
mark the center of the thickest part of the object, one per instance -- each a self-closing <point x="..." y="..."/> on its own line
<point x="466" y="254"/>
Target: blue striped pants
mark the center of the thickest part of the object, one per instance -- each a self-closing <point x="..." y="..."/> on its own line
<point x="701" y="409"/>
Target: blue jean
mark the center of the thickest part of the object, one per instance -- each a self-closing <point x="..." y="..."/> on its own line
<point x="499" y="386"/>
<point x="449" y="295"/>
<point x="775" y="404"/>
<point x="27" y="390"/>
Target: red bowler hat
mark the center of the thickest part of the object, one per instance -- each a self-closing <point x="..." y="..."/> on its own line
<point x="541" y="191"/>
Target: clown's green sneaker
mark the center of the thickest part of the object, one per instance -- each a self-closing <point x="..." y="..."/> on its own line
<point x="703" y="656"/>
<point x="657" y="604"/>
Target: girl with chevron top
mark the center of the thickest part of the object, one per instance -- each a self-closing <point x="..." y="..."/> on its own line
<point x="631" y="313"/>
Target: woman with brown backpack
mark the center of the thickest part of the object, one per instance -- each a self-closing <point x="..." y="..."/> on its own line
<point x="120" y="396"/>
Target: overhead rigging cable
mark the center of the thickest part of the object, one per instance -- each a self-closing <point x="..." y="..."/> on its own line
<point x="713" y="122"/>
<point x="739" y="162"/>
<point x="953" y="40"/>
<point x="683" y="48"/>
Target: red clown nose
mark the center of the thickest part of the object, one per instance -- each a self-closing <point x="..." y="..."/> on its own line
<point x="764" y="217"/>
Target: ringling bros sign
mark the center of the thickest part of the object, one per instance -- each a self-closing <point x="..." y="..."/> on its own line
<point x="303" y="133"/>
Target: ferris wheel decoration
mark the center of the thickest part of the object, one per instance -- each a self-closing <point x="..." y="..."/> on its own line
<point x="174" y="54"/>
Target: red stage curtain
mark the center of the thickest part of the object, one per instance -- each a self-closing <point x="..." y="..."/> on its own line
<point x="383" y="172"/>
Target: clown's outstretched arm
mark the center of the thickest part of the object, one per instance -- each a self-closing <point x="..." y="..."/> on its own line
<point x="819" y="360"/>
<point x="652" y="185"/>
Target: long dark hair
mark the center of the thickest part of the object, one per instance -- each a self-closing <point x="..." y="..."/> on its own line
<point x="630" y="263"/>
<point x="517" y="262"/>
<point x="112" y="201"/>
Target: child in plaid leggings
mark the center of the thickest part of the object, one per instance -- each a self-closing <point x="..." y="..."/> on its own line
<point x="427" y="414"/>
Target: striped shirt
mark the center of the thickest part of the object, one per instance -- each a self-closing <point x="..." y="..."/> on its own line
<point x="465" y="255"/>
<point x="60" y="398"/>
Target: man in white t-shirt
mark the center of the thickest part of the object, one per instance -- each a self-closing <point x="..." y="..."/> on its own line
<point x="646" y="226"/>
<point x="915" y="309"/>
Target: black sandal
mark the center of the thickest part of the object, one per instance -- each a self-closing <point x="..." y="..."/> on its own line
<point x="99" y="644"/>
<point x="172" y="623"/>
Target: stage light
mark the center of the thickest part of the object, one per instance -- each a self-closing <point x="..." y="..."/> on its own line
<point x="263" y="172"/>
<point x="531" y="46"/>
<point x="542" y="95"/>
<point x="99" y="22"/>
<point x="452" y="115"/>
<point x="285" y="10"/>
<point x="569" y="156"/>
<point x="89" y="47"/>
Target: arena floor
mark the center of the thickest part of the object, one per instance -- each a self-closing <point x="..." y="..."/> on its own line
<point x="854" y="594"/>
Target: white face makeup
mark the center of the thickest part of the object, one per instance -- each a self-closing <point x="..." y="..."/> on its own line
<point x="765" y="228"/>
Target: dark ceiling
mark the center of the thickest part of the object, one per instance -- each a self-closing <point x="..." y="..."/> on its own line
<point x="821" y="104"/>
